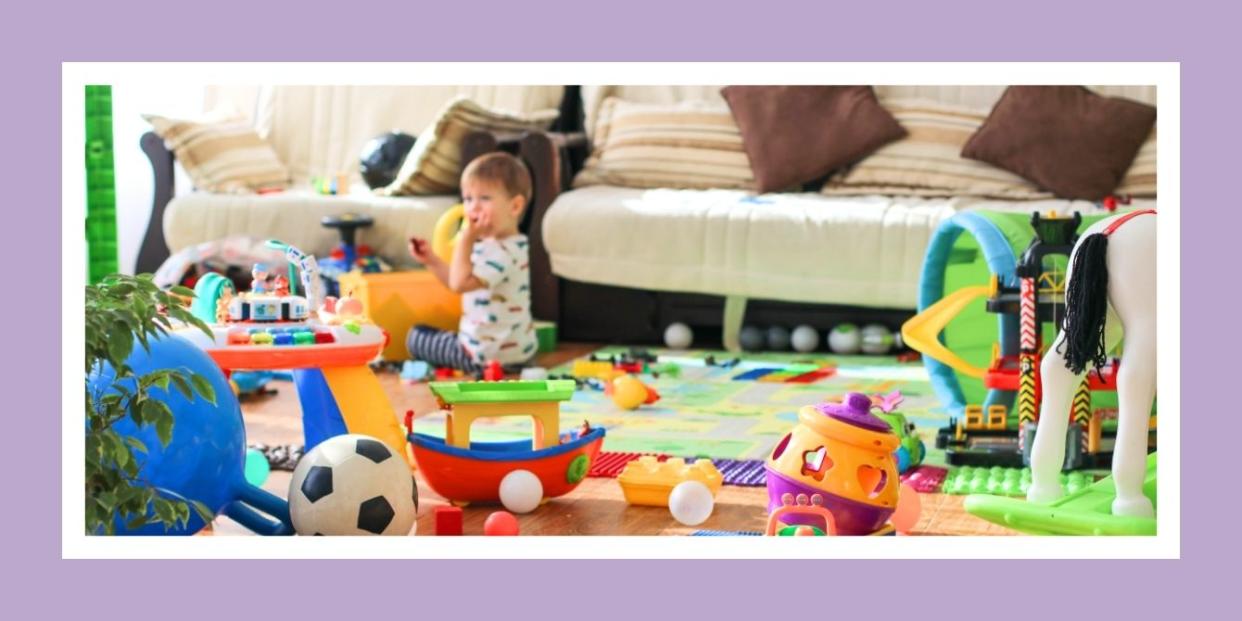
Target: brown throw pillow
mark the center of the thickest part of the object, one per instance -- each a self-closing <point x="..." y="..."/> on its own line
<point x="1067" y="139"/>
<point x="793" y="134"/>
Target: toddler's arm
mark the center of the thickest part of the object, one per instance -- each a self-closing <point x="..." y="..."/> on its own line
<point x="461" y="276"/>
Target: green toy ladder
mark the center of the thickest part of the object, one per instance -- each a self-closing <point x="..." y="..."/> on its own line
<point x="101" y="244"/>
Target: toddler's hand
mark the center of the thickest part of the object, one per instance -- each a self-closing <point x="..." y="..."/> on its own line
<point x="479" y="225"/>
<point x="421" y="251"/>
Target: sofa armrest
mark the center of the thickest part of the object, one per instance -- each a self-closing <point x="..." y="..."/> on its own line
<point x="543" y="157"/>
<point x="154" y="249"/>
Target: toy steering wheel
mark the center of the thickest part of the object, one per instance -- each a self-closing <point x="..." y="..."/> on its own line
<point x="447" y="232"/>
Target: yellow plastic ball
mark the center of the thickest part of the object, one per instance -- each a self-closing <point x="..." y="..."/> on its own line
<point x="628" y="392"/>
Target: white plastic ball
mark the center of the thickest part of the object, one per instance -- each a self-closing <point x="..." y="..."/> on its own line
<point x="804" y="339"/>
<point x="691" y="503"/>
<point x="521" y="491"/>
<point x="678" y="336"/>
<point x="534" y="373"/>
<point x="750" y="338"/>
<point x="876" y="339"/>
<point x="845" y="339"/>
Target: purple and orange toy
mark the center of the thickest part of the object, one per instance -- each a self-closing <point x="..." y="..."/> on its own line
<point x="840" y="457"/>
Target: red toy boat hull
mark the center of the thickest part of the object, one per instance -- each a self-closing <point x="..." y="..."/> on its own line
<point x="474" y="475"/>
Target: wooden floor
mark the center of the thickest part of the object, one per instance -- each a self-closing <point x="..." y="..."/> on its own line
<point x="597" y="507"/>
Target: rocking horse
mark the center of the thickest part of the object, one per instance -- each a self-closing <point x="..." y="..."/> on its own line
<point x="1111" y="291"/>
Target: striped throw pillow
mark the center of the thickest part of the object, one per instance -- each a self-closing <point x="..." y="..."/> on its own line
<point x="1140" y="180"/>
<point x="225" y="156"/>
<point x="434" y="166"/>
<point x="928" y="161"/>
<point x="686" y="145"/>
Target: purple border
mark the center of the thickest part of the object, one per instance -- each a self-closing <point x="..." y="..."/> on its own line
<point x="635" y="30"/>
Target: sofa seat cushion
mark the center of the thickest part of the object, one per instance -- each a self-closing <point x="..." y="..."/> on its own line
<point x="294" y="216"/>
<point x="857" y="250"/>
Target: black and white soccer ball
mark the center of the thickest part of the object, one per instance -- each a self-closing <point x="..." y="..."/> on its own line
<point x="353" y="485"/>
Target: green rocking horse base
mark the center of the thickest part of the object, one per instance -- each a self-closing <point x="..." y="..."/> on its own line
<point x="1087" y="512"/>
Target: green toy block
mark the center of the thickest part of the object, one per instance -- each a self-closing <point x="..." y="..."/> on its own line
<point x="545" y="334"/>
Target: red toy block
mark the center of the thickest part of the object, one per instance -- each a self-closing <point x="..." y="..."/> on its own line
<point x="493" y="372"/>
<point x="444" y="373"/>
<point x="448" y="521"/>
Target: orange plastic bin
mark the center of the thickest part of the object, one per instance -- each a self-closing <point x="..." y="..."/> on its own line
<point x="396" y="301"/>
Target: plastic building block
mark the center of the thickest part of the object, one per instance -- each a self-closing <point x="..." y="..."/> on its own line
<point x="415" y="370"/>
<point x="649" y="481"/>
<point x="1086" y="512"/>
<point x="1003" y="481"/>
<point x="493" y="372"/>
<point x="448" y="521"/>
<point x="545" y="335"/>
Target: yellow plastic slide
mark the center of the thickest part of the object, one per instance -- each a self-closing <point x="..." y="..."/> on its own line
<point x="921" y="333"/>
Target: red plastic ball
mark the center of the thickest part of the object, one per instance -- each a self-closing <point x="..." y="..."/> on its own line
<point x="1110" y="203"/>
<point x="500" y="524"/>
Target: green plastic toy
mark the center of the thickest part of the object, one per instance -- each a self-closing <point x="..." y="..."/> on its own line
<point x="454" y="393"/>
<point x="1088" y="512"/>
<point x="101" y="240"/>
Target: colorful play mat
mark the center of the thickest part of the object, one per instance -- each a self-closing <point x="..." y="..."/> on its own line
<point x="715" y="407"/>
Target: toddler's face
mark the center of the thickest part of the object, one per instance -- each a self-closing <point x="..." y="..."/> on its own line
<point x="488" y="198"/>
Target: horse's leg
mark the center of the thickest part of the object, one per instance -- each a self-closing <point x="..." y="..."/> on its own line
<point x="1132" y="292"/>
<point x="1048" y="451"/>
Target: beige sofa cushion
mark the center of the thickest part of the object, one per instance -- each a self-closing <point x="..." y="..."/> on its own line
<point x="320" y="130"/>
<point x="221" y="155"/>
<point x="294" y="216"/>
<point x="855" y="250"/>
<point x="434" y="165"/>
<point x="689" y="144"/>
<point x="978" y="97"/>
<point x="928" y="161"/>
<point x="1139" y="181"/>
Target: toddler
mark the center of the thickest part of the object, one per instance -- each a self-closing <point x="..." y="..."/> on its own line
<point x="490" y="267"/>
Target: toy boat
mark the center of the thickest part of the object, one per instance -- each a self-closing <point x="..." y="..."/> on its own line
<point x="464" y="471"/>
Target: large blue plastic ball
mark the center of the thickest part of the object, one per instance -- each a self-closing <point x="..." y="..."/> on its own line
<point x="205" y="457"/>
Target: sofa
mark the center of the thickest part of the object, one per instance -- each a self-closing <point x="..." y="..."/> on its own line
<point x="611" y="263"/>
<point x="320" y="131"/>
<point x="628" y="261"/>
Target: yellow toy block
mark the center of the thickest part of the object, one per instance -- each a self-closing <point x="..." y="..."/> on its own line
<point x="648" y="481"/>
<point x="998" y="416"/>
<point x="974" y="417"/>
<point x="397" y="301"/>
<point x="600" y="370"/>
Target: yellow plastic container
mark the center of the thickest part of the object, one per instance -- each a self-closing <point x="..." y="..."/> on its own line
<point x="396" y="301"/>
<point x="648" y="481"/>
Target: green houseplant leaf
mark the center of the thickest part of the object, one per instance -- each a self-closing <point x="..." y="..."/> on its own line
<point x="121" y="311"/>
